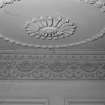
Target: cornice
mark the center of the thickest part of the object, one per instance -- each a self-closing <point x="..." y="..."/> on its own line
<point x="52" y="66"/>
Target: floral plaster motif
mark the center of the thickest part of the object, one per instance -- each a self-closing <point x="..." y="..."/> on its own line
<point x="50" y="28"/>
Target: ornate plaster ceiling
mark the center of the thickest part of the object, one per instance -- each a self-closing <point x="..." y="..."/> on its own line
<point x="51" y="23"/>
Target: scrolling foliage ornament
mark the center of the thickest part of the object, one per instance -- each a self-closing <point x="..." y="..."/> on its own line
<point x="51" y="67"/>
<point x="4" y="3"/>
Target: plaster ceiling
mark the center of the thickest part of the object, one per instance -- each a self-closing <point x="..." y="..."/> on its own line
<point x="51" y="23"/>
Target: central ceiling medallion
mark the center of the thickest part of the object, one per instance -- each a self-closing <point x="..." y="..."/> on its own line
<point x="50" y="28"/>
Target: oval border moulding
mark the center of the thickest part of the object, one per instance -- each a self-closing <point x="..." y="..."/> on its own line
<point x="50" y="32"/>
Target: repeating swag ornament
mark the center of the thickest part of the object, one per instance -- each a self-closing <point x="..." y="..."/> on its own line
<point x="36" y="67"/>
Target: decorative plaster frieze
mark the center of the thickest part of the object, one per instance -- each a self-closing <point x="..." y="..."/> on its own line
<point x="51" y="67"/>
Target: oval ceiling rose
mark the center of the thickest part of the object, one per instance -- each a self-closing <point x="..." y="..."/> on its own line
<point x="51" y="23"/>
<point x="50" y="28"/>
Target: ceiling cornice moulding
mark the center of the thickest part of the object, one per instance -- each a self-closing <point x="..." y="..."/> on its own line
<point x="31" y="66"/>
